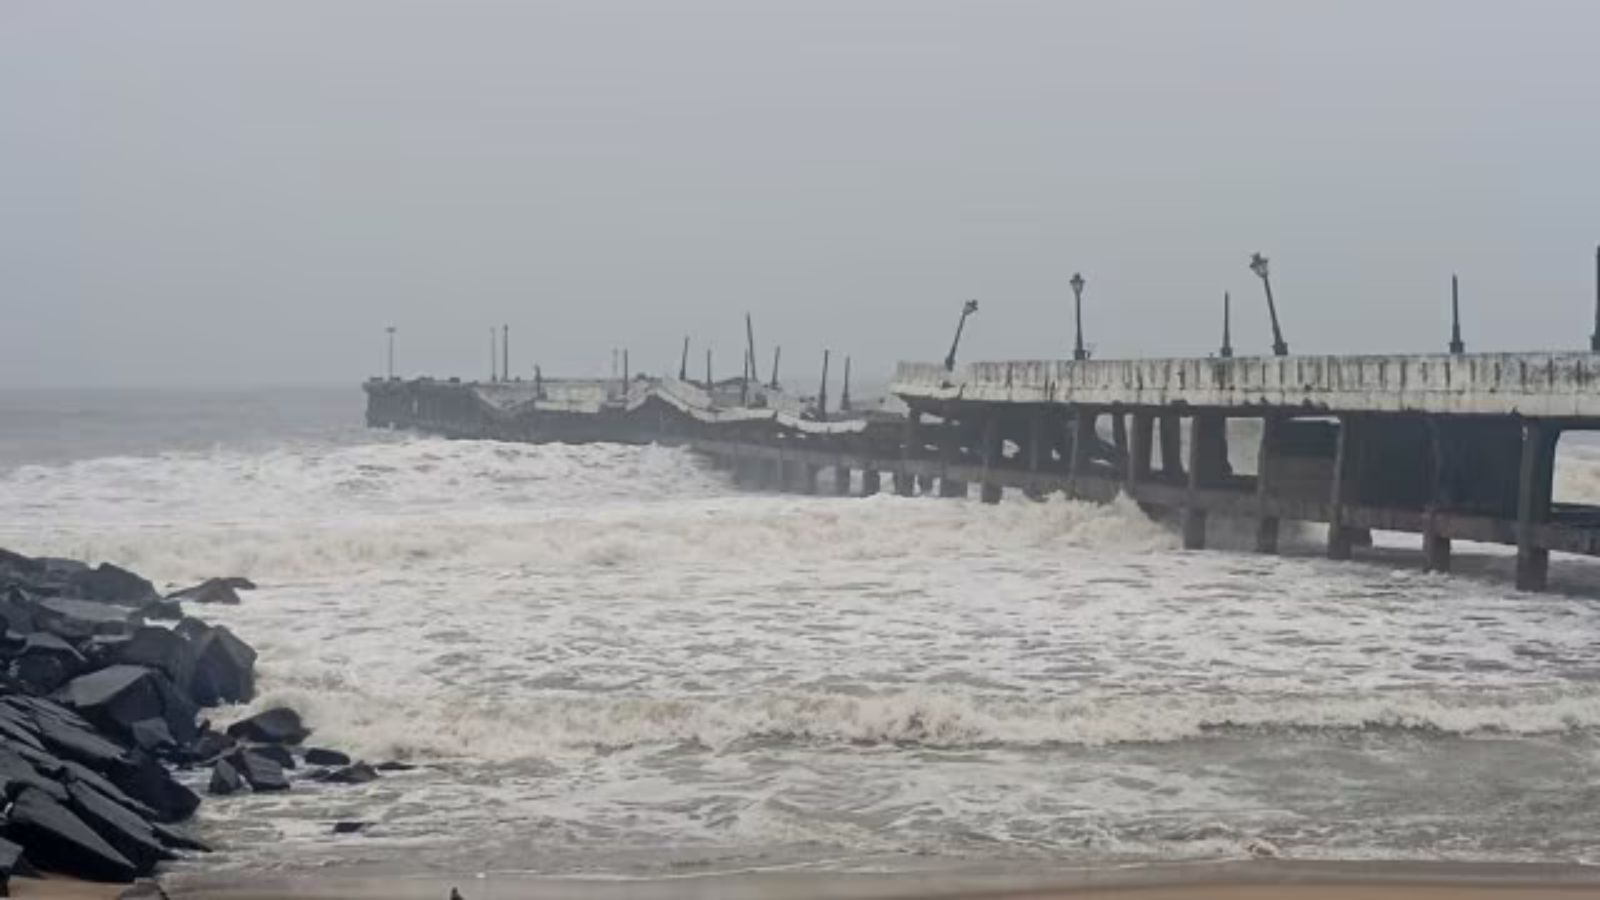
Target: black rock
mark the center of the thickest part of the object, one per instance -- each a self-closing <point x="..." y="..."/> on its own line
<point x="112" y="584"/>
<point x="152" y="735"/>
<point x="225" y="779"/>
<point x="79" y="741"/>
<point x="16" y="608"/>
<point x="224" y="669"/>
<point x="318" y="756"/>
<point x="162" y="609"/>
<point x="118" y="696"/>
<point x="146" y="780"/>
<point x="279" y="725"/>
<point x="78" y="620"/>
<point x="214" y="590"/>
<point x="262" y="773"/>
<point x="17" y="728"/>
<point x="278" y="753"/>
<point x="349" y="827"/>
<point x="121" y="828"/>
<point x="394" y="765"/>
<point x="17" y="774"/>
<point x="356" y="773"/>
<point x="71" y="771"/>
<point x="46" y="662"/>
<point x="13" y="862"/>
<point x="206" y="747"/>
<point x="161" y="648"/>
<point x="57" y="840"/>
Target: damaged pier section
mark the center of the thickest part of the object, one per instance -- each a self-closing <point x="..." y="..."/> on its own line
<point x="1450" y="447"/>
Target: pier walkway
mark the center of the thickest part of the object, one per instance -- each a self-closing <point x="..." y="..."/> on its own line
<point x="1450" y="447"/>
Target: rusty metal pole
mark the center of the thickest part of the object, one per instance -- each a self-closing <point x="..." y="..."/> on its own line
<point x="494" y="364"/>
<point x="708" y="369"/>
<point x="1258" y="265"/>
<point x="822" y="391"/>
<point x="391" y="352"/>
<point x="1456" y="346"/>
<point x="624" y="374"/>
<point x="1227" y="326"/>
<point x="505" y="352"/>
<point x="844" y="393"/>
<point x="777" y="354"/>
<point x="1078" y="352"/>
<point x="1594" y="339"/>
<point x="967" y="309"/>
<point x="683" y="361"/>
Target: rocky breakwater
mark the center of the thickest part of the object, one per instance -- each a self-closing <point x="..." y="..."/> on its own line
<point x="102" y="684"/>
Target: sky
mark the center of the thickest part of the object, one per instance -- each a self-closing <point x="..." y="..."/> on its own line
<point x="247" y="193"/>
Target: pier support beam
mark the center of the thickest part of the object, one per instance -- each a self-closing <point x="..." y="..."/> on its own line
<point x="1346" y="472"/>
<point x="808" y="478"/>
<point x="992" y="449"/>
<point x="870" y="482"/>
<point x="950" y="453"/>
<point x="1119" y="439"/>
<point x="1533" y="502"/>
<point x="1208" y="443"/>
<point x="1171" y="448"/>
<point x="1435" y="546"/>
<point x="1037" y="451"/>
<point x="1267" y="526"/>
<point x="841" y="480"/>
<point x="1083" y="437"/>
<point x="1144" y="428"/>
<point x="904" y="483"/>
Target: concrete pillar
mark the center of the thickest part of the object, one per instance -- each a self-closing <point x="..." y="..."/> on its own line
<point x="904" y="484"/>
<point x="911" y="448"/>
<point x="1171" y="447"/>
<point x="950" y="454"/>
<point x="1119" y="439"/>
<point x="1533" y="502"/>
<point x="841" y="479"/>
<point x="870" y="483"/>
<point x="1036" y="450"/>
<point x="992" y="450"/>
<point x="1144" y="425"/>
<point x="808" y="478"/>
<point x="1267" y="526"/>
<point x="1083" y="437"/>
<point x="1207" y="458"/>
<point x="1435" y="546"/>
<point x="1346" y="466"/>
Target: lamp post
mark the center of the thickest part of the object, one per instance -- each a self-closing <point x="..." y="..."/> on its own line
<point x="1457" y="347"/>
<point x="1594" y="339"/>
<point x="1077" y="282"/>
<point x="967" y="309"/>
<point x="1227" y="326"/>
<point x="390" y="329"/>
<point x="1258" y="265"/>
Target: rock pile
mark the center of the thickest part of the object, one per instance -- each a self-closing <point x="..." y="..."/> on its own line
<point x="99" y="701"/>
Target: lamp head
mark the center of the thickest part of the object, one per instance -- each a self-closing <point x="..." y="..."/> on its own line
<point x="1077" y="282"/>
<point x="1258" y="265"/>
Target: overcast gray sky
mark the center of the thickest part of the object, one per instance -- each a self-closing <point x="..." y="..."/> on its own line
<point x="247" y="192"/>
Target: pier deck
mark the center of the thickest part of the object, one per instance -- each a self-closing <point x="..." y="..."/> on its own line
<point x="1445" y="446"/>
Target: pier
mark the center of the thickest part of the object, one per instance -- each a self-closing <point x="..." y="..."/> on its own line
<point x="1449" y="446"/>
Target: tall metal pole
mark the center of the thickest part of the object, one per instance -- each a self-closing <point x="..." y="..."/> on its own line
<point x="390" y="329"/>
<point x="1227" y="326"/>
<point x="844" y="393"/>
<point x="505" y="352"/>
<point x="494" y="363"/>
<point x="538" y="382"/>
<point x="683" y="361"/>
<point x="1594" y="339"/>
<point x="822" y="392"/>
<point x="708" y="369"/>
<point x="1258" y="265"/>
<point x="967" y="309"/>
<point x="624" y="374"/>
<point x="777" y="354"/>
<point x="1078" y="351"/>
<point x="749" y="356"/>
<point x="1456" y="346"/>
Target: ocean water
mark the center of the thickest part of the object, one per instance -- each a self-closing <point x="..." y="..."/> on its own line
<point x="608" y="662"/>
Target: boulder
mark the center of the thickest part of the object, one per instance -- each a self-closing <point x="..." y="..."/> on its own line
<point x="319" y="756"/>
<point x="349" y="827"/>
<point x="214" y="590"/>
<point x="394" y="765"/>
<point x="161" y="609"/>
<point x="224" y="670"/>
<point x="278" y="753"/>
<point x="118" y="696"/>
<point x="152" y="735"/>
<point x="78" y="620"/>
<point x="147" y="781"/>
<point x="17" y="728"/>
<point x="46" y="662"/>
<point x="278" y="725"/>
<point x="57" y="840"/>
<point x="18" y="774"/>
<point x="77" y="740"/>
<point x="16" y="608"/>
<point x="107" y="583"/>
<point x="119" y="827"/>
<point x="356" y="773"/>
<point x="263" y="773"/>
<point x="160" y="648"/>
<point x="71" y="771"/>
<point x="225" y="779"/>
<point x="206" y="747"/>
<point x="13" y="862"/>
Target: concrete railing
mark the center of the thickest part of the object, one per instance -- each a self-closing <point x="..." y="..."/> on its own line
<point x="1529" y="384"/>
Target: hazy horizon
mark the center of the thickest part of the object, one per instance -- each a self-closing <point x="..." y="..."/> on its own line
<point x="247" y="194"/>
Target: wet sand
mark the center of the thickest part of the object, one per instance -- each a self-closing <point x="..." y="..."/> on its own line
<point x="1253" y="880"/>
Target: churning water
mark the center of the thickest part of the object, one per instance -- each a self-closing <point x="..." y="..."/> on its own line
<point x="606" y="660"/>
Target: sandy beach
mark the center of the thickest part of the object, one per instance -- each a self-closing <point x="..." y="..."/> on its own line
<point x="1197" y="881"/>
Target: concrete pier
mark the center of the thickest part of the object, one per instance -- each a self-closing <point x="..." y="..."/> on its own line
<point x="1448" y="447"/>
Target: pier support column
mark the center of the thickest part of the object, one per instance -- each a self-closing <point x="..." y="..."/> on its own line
<point x="950" y="453"/>
<point x="808" y="478"/>
<point x="911" y="448"/>
<point x="1144" y="427"/>
<point x="1119" y="439"/>
<point x="1533" y="502"/>
<point x="1346" y="466"/>
<point x="1435" y="546"/>
<point x="1171" y="448"/>
<point x="1207" y="459"/>
<point x="841" y="479"/>
<point x="1267" y="526"/>
<point x="870" y="483"/>
<point x="904" y="484"/>
<point x="992" y="449"/>
<point x="1083" y="437"/>
<point x="1036" y="451"/>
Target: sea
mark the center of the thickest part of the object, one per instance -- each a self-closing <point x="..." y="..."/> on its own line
<point x="607" y="662"/>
